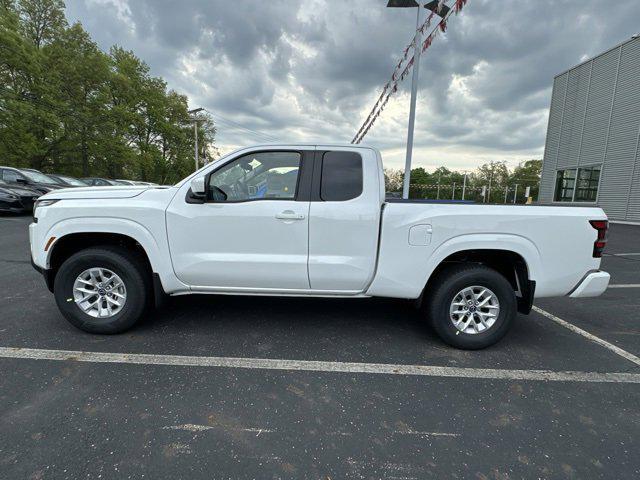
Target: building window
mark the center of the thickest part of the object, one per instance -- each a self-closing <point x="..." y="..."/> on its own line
<point x="587" y="186"/>
<point x="577" y="184"/>
<point x="565" y="185"/>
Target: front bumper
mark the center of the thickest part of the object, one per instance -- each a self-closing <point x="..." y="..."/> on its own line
<point x="592" y="285"/>
<point x="39" y="263"/>
<point x="46" y="273"/>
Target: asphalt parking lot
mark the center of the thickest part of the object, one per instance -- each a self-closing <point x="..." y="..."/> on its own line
<point x="325" y="389"/>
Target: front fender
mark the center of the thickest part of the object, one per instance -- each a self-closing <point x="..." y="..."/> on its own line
<point x="119" y="226"/>
<point x="156" y="249"/>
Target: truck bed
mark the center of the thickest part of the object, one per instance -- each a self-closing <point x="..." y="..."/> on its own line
<point x="556" y="242"/>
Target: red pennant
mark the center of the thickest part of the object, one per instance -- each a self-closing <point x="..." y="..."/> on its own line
<point x="399" y="75"/>
<point x="427" y="42"/>
<point x="459" y="4"/>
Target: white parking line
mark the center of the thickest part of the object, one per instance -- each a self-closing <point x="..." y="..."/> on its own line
<point x="625" y="285"/>
<point x="426" y="434"/>
<point x="617" y="350"/>
<point x="622" y="254"/>
<point x="190" y="427"/>
<point x="317" y="366"/>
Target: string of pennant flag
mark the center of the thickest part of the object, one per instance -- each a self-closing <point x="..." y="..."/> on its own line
<point x="403" y="67"/>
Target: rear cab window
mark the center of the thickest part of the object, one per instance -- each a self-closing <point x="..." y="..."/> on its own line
<point x="341" y="177"/>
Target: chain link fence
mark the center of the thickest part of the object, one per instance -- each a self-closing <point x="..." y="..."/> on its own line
<point x="476" y="194"/>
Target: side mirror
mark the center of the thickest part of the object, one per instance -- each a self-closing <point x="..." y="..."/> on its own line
<point x="21" y="180"/>
<point x="197" y="186"/>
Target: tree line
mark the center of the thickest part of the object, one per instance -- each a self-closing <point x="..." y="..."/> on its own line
<point x="70" y="108"/>
<point x="494" y="178"/>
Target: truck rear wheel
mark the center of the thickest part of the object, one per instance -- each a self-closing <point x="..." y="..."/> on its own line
<point x="470" y="306"/>
<point x="102" y="290"/>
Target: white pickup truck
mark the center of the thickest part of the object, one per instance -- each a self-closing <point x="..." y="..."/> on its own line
<point x="309" y="220"/>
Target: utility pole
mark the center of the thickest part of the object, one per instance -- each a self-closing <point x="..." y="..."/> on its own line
<point x="515" y="194"/>
<point x="506" y="192"/>
<point x="438" y="193"/>
<point x="453" y="192"/>
<point x="195" y="133"/>
<point x="417" y="49"/>
<point x="464" y="184"/>
<point x="195" y="120"/>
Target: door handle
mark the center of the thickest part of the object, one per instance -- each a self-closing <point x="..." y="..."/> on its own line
<point x="289" y="215"/>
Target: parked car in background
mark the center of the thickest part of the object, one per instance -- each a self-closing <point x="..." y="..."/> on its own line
<point x="67" y="181"/>
<point x="29" y="178"/>
<point x="100" y="182"/>
<point x="15" y="199"/>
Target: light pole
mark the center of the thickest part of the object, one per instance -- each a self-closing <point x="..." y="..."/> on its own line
<point x="417" y="49"/>
<point x="490" y="177"/>
<point x="195" y="121"/>
<point x="464" y="184"/>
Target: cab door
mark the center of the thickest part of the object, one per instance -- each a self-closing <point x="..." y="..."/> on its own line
<point x="252" y="232"/>
<point x="344" y="219"/>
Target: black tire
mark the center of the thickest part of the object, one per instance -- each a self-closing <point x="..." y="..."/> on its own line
<point x="444" y="288"/>
<point x="126" y="265"/>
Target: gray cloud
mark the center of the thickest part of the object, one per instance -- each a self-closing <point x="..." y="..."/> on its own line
<point x="310" y="70"/>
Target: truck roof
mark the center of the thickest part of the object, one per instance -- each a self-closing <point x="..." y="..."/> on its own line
<point x="311" y="144"/>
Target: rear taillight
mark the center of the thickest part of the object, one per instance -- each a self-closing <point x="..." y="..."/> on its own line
<point x="598" y="246"/>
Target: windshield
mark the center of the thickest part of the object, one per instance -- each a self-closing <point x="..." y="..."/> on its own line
<point x="38" y="177"/>
<point x="72" y="181"/>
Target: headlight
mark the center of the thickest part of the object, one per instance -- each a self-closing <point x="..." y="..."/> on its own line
<point x="41" y="203"/>
<point x="45" y="203"/>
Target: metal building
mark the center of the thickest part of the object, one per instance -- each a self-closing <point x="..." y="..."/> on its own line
<point x="591" y="154"/>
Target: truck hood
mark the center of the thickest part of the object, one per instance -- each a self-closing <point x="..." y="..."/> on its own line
<point x="125" y="191"/>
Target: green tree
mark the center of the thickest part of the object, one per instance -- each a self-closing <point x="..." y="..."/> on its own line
<point x="79" y="73"/>
<point x="21" y="109"/>
<point x="527" y="174"/>
<point x="68" y="107"/>
<point x="42" y="20"/>
<point x="494" y="176"/>
<point x="419" y="176"/>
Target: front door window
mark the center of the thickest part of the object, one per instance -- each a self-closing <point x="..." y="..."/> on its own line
<point x="257" y="176"/>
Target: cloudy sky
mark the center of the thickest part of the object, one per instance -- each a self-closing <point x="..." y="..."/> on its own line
<point x="305" y="70"/>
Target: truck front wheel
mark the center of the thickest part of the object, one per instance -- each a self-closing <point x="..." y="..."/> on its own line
<point x="470" y="306"/>
<point x="102" y="289"/>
